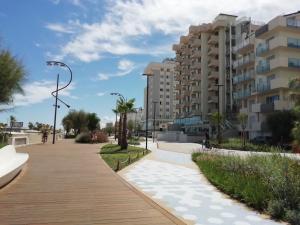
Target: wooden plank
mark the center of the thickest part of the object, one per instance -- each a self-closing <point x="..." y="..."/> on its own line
<point x="68" y="183"/>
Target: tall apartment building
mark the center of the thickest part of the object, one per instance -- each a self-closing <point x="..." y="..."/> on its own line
<point x="161" y="94"/>
<point x="274" y="50"/>
<point x="203" y="59"/>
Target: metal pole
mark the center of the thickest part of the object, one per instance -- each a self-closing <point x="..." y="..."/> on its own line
<point x="154" y="124"/>
<point x="147" y="113"/>
<point x="219" y="114"/>
<point x="55" y="112"/>
<point x="116" y="125"/>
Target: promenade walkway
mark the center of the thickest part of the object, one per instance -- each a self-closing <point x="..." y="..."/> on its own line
<point x="174" y="181"/>
<point x="68" y="183"/>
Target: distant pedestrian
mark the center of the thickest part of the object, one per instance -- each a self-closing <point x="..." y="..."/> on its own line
<point x="207" y="140"/>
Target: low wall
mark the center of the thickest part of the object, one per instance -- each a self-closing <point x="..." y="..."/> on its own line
<point x="19" y="139"/>
<point x="177" y="136"/>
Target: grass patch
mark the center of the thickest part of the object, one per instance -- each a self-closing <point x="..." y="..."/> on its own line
<point x="2" y="145"/>
<point x="135" y="140"/>
<point x="112" y="153"/>
<point x="237" y="144"/>
<point x="267" y="183"/>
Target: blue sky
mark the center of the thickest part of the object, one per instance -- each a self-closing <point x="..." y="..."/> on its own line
<point x="107" y="43"/>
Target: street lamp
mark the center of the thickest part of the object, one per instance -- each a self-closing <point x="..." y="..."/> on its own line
<point x="219" y="125"/>
<point x="148" y="74"/>
<point x="60" y="64"/>
<point x="154" y="122"/>
<point x="121" y="96"/>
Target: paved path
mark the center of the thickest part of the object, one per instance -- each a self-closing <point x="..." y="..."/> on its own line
<point x="68" y="183"/>
<point x="193" y="147"/>
<point x="175" y="182"/>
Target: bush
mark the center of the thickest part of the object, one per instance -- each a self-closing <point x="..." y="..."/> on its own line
<point x="101" y="137"/>
<point x="269" y="183"/>
<point x="83" y="138"/>
<point x="293" y="217"/>
<point x="276" y="209"/>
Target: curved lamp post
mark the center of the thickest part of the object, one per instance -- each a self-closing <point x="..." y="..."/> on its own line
<point x="61" y="64"/>
<point x="121" y="96"/>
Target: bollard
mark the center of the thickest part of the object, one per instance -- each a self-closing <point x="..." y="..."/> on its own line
<point x="118" y="166"/>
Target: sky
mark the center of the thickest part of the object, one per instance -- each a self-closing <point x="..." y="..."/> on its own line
<point x="106" y="43"/>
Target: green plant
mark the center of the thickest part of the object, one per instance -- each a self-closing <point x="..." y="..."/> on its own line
<point x="293" y="217"/>
<point x="101" y="137"/>
<point x="276" y="209"/>
<point x="12" y="76"/>
<point x="269" y="183"/>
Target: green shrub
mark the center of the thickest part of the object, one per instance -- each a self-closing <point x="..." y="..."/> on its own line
<point x="269" y="183"/>
<point x="83" y="138"/>
<point x="276" y="209"/>
<point x="293" y="217"/>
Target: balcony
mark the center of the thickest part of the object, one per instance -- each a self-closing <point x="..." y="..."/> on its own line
<point x="243" y="77"/>
<point x="263" y="87"/>
<point x="279" y="83"/>
<point x="261" y="30"/>
<point x="213" y="99"/>
<point x="283" y="105"/>
<point x="213" y="75"/>
<point x="212" y="88"/>
<point x="196" y="65"/>
<point x="255" y="108"/>
<point x="263" y="67"/>
<point x="241" y="94"/>
<point x="196" y="43"/>
<point x="267" y="108"/>
<point x="213" y="39"/>
<point x="262" y="48"/>
<point x="213" y="63"/>
<point x="196" y="54"/>
<point x="244" y="62"/>
<point x="213" y="51"/>
<point x="244" y="46"/>
<point x="196" y="89"/>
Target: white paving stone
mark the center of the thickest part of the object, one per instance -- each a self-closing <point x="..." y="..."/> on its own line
<point x="184" y="189"/>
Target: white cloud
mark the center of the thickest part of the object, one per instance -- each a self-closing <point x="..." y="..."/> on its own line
<point x="100" y="94"/>
<point x="38" y="92"/>
<point x="59" y="28"/>
<point x="102" y="76"/>
<point x="125" y="67"/>
<point x="125" y="23"/>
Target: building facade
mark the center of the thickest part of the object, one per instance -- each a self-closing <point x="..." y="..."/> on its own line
<point x="275" y="48"/>
<point x="161" y="100"/>
<point x="204" y="73"/>
<point x="236" y="65"/>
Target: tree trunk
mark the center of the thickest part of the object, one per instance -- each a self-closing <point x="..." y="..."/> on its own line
<point x="124" y="143"/>
<point x="120" y="130"/>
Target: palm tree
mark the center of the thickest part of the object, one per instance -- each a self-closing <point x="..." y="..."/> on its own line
<point x="125" y="107"/>
<point x="118" y="111"/>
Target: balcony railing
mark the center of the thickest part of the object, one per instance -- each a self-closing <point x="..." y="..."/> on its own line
<point x="262" y="87"/>
<point x="243" y="77"/>
<point x="263" y="29"/>
<point x="293" y="23"/>
<point x="263" y="67"/>
<point x="243" y="61"/>
<point x="262" y="48"/>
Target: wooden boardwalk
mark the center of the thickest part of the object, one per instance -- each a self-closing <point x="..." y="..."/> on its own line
<point x="68" y="183"/>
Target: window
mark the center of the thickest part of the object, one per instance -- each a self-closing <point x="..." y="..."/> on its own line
<point x="294" y="62"/>
<point x="293" y="42"/>
<point x="271" y="99"/>
<point x="161" y="89"/>
<point x="167" y="96"/>
<point x="167" y="103"/>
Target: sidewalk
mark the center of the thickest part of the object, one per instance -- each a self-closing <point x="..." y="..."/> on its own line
<point x="174" y="181"/>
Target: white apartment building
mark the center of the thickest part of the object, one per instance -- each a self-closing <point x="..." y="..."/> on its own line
<point x="161" y="98"/>
<point x="274" y="53"/>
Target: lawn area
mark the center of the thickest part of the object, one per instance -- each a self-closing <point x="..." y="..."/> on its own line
<point x="2" y="145"/>
<point x="270" y="184"/>
<point x="112" y="153"/>
<point x="237" y="144"/>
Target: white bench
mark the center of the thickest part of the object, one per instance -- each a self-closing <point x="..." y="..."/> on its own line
<point x="11" y="163"/>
